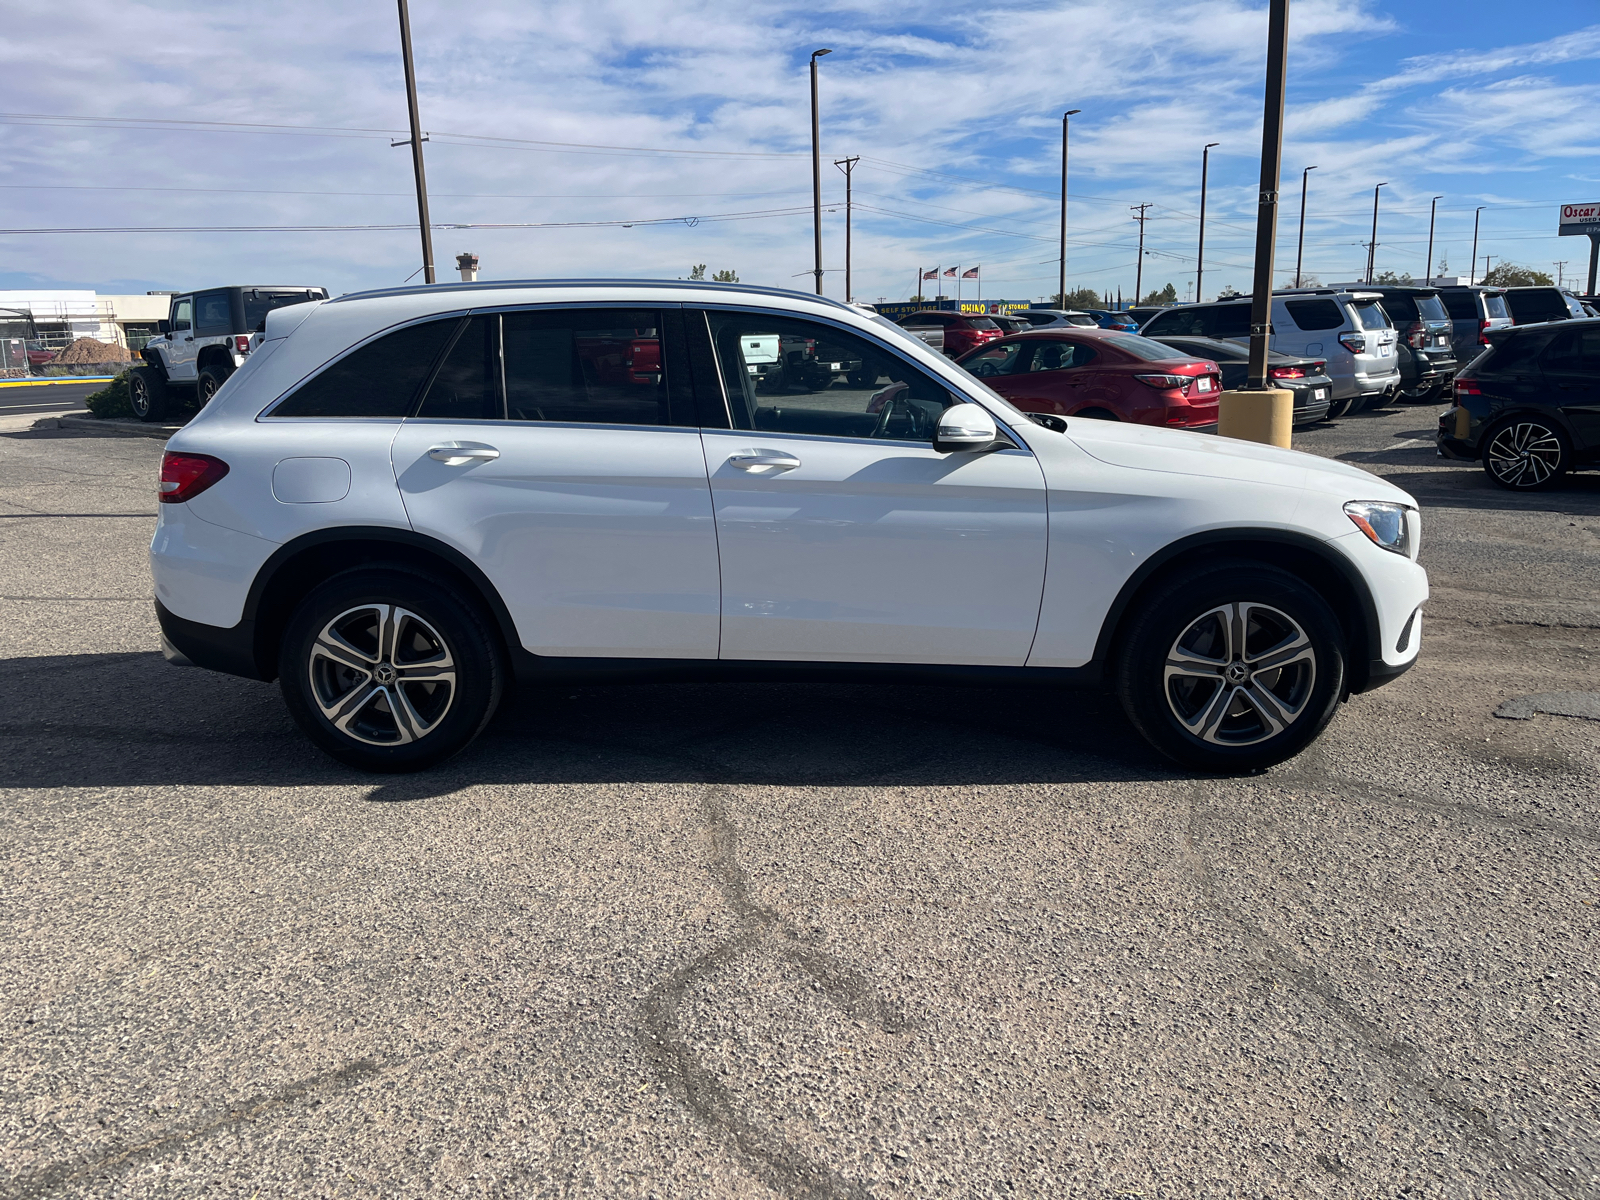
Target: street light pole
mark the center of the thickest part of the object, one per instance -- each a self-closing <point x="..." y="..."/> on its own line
<point x="1267" y="209"/>
<point x="1432" y="209"/>
<point x="1138" y="267"/>
<point x="416" y="144"/>
<point x="1200" y="255"/>
<point x="847" y="165"/>
<point x="1300" y="250"/>
<point x="816" y="169"/>
<point x="1372" y="246"/>
<point x="1472" y="268"/>
<point x="1061" y="282"/>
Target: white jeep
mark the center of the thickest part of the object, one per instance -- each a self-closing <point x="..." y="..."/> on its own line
<point x="204" y="339"/>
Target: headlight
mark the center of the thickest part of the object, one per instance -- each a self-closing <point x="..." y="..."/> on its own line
<point x="1384" y="523"/>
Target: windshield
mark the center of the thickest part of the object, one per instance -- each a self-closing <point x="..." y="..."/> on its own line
<point x="1370" y="315"/>
<point x="1431" y="308"/>
<point x="258" y="303"/>
<point x="1147" y="348"/>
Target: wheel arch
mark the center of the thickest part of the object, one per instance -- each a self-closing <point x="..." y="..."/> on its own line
<point x="154" y="360"/>
<point x="301" y="564"/>
<point x="214" y="356"/>
<point x="1321" y="566"/>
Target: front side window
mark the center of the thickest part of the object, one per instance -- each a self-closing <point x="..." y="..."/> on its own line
<point x="1010" y="358"/>
<point x="1314" y="315"/>
<point x="380" y="379"/>
<point x="792" y="376"/>
<point x="181" y="311"/>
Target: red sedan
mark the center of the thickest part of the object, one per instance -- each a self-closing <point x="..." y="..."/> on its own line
<point x="1074" y="371"/>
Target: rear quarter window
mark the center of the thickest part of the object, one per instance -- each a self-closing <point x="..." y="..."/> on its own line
<point x="1314" y="315"/>
<point x="1462" y="306"/>
<point x="1177" y="322"/>
<point x="380" y="379"/>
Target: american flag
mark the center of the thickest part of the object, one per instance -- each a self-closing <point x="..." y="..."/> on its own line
<point x="972" y="274"/>
<point x="933" y="274"/>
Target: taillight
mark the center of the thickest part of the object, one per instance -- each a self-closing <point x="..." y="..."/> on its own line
<point x="241" y="343"/>
<point x="1416" y="335"/>
<point x="1356" y="343"/>
<point x="1467" y="387"/>
<point x="1483" y="333"/>
<point x="185" y="476"/>
<point x="1286" y="373"/>
<point x="1164" y="381"/>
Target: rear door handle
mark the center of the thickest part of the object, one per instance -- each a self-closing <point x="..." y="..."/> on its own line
<point x="764" y="462"/>
<point x="454" y="456"/>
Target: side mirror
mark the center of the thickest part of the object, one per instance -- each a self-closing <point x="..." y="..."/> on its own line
<point x="966" y="427"/>
<point x="164" y="325"/>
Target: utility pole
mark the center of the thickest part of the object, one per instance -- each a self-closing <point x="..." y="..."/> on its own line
<point x="1372" y="246"/>
<point x="1472" y="267"/>
<point x="1432" y="209"/>
<point x="816" y="169"/>
<point x="1267" y="207"/>
<point x="416" y="143"/>
<point x="1594" y="261"/>
<point x="1559" y="273"/>
<point x="1200" y="256"/>
<point x="1138" y="270"/>
<point x="1061" y="282"/>
<point x="1300" y="251"/>
<point x="847" y="165"/>
<point x="1487" y="269"/>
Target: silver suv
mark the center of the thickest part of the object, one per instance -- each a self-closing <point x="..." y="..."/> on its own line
<point x="1348" y="329"/>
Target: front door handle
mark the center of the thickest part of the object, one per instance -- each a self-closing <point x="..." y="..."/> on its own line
<point x="454" y="456"/>
<point x="764" y="462"/>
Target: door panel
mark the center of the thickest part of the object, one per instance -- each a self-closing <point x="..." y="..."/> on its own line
<point x="877" y="551"/>
<point x="181" y="353"/>
<point x="1571" y="366"/>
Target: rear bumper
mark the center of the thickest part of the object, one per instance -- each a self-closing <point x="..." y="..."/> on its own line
<point x="187" y="643"/>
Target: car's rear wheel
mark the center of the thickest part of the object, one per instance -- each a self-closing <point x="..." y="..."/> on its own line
<point x="1232" y="667"/>
<point x="1422" y="393"/>
<point x="390" y="671"/>
<point x="147" y="393"/>
<point x="1525" y="454"/>
<point x="209" y="383"/>
<point x="1341" y="407"/>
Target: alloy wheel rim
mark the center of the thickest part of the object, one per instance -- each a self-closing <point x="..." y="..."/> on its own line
<point x="1239" y="674"/>
<point x="382" y="675"/>
<point x="1524" y="454"/>
<point x="138" y="398"/>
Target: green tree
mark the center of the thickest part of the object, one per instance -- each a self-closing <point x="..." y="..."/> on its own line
<point x="1081" y="298"/>
<point x="1404" y="280"/>
<point x="1167" y="295"/>
<point x="726" y="277"/>
<point x="698" y="271"/>
<point x="1511" y="275"/>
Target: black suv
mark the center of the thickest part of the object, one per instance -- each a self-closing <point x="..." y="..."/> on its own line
<point x="1475" y="312"/>
<point x="1530" y="407"/>
<point x="1534" y="305"/>
<point x="1427" y="345"/>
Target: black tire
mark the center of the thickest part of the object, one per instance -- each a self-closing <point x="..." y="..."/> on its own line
<point x="147" y="393"/>
<point x="1340" y="408"/>
<point x="1165" y="671"/>
<point x="862" y="378"/>
<point x="208" y="382"/>
<point x="1525" y="454"/>
<point x="385" y="723"/>
<point x="1422" y="394"/>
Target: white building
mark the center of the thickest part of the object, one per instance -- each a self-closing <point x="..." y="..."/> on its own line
<point x="61" y="317"/>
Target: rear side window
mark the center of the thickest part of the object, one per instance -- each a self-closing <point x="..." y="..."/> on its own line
<point x="213" y="316"/>
<point x="1494" y="304"/>
<point x="1462" y="306"/>
<point x="1520" y="352"/>
<point x="466" y="386"/>
<point x="1401" y="307"/>
<point x="595" y="366"/>
<point x="1431" y="309"/>
<point x="1061" y="356"/>
<point x="1177" y="322"/>
<point x="1574" y="350"/>
<point x="1369" y="314"/>
<point x="1229" y="321"/>
<point x="381" y="379"/>
<point x="1312" y="315"/>
<point x="1537" y="304"/>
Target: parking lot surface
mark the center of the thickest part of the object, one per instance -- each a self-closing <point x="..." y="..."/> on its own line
<point x="18" y="402"/>
<point x="799" y="941"/>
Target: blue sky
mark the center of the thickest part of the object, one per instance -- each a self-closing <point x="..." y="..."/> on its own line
<point x="690" y="121"/>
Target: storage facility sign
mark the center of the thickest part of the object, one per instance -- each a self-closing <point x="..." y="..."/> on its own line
<point x="1580" y="218"/>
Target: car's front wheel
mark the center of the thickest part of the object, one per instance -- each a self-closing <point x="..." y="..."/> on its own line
<point x="147" y="393"/>
<point x="1232" y="667"/>
<point x="1525" y="454"/>
<point x="389" y="671"/>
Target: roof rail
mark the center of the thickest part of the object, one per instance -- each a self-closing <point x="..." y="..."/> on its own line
<point x="507" y="285"/>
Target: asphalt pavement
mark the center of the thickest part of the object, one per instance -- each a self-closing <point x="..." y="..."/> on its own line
<point x="800" y="941"/>
<point x="45" y="398"/>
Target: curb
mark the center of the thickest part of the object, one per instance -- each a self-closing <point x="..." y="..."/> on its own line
<point x="56" y="380"/>
<point x="110" y="428"/>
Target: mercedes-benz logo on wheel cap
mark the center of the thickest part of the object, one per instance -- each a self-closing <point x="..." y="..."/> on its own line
<point x="385" y="674"/>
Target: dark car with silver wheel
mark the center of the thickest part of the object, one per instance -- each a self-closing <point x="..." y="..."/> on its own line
<point x="1529" y="408"/>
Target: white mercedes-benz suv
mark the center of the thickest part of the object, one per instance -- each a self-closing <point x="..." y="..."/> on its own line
<point x="405" y="499"/>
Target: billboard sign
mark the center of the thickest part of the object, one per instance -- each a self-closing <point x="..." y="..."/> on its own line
<point x="1580" y="218"/>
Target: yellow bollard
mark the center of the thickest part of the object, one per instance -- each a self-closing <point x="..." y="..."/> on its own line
<point x="1265" y="416"/>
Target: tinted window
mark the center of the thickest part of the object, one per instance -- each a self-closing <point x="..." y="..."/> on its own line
<point x="1462" y="306"/>
<point x="1432" y="308"/>
<point x="1216" y="351"/>
<point x="1369" y="314"/>
<point x="467" y="384"/>
<point x="1061" y="356"/>
<point x="1010" y="358"/>
<point x="1574" y="350"/>
<point x="381" y="379"/>
<point x="258" y="303"/>
<point x="1495" y="304"/>
<point x="981" y="323"/>
<point x="1401" y="307"/>
<point x="212" y="314"/>
<point x="1519" y="352"/>
<point x="829" y="382"/>
<point x="924" y="321"/>
<point x="1537" y="304"/>
<point x="1229" y="320"/>
<point x="596" y="366"/>
<point x="1143" y="347"/>
<point x="181" y="314"/>
<point x="1178" y="321"/>
<point x="1312" y="315"/>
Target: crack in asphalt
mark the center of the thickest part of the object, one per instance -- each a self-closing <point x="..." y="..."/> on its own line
<point x="42" y="1182"/>
<point x="1472" y="1125"/>
<point x="761" y="930"/>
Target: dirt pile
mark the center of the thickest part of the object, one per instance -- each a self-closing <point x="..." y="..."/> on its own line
<point x="87" y="350"/>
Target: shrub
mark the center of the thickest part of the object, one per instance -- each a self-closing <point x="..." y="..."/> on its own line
<point x="111" y="400"/>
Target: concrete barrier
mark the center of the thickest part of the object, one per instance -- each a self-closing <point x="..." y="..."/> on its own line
<point x="1266" y="416"/>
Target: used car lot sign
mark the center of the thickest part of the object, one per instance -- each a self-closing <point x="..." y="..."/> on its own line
<point x="1579" y="218"/>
